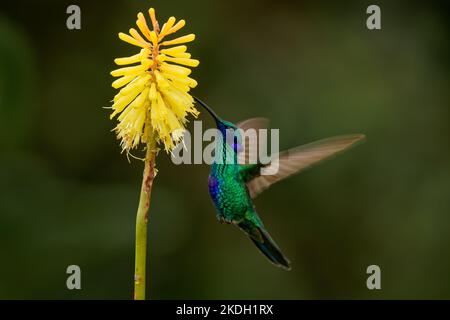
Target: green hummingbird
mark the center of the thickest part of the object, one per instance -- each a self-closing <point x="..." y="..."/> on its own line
<point x="233" y="183"/>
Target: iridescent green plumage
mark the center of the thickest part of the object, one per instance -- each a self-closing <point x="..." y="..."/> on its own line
<point x="233" y="183"/>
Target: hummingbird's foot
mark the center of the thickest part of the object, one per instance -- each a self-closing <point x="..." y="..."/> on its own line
<point x="224" y="220"/>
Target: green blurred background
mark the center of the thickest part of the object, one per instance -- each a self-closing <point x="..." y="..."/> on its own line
<point x="67" y="195"/>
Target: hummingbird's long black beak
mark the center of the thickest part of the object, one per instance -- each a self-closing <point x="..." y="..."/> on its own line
<point x="210" y="111"/>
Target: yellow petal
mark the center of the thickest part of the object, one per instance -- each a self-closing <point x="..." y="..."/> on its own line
<point x="138" y="84"/>
<point x="166" y="27"/>
<point x="158" y="113"/>
<point x="181" y="55"/>
<point x="123" y="102"/>
<point x="180" y="101"/>
<point x="151" y="12"/>
<point x="128" y="60"/>
<point x="176" y="104"/>
<point x="161" y="58"/>
<point x="124" y="114"/>
<point x="181" y="86"/>
<point x="127" y="71"/>
<point x="175" y="70"/>
<point x="138" y="126"/>
<point x="154" y="38"/>
<point x="155" y="114"/>
<point x="130" y="40"/>
<point x="161" y="81"/>
<point x="152" y="92"/>
<point x="194" y="111"/>
<point x="180" y="24"/>
<point x="122" y="81"/>
<point x="140" y="100"/>
<point x="174" y="50"/>
<point x="182" y="80"/>
<point x="183" y="39"/>
<point x="138" y="37"/>
<point x="143" y="26"/>
<point x="146" y="62"/>
<point x="184" y="61"/>
<point x="172" y="121"/>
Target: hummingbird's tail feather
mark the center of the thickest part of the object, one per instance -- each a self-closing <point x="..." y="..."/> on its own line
<point x="270" y="249"/>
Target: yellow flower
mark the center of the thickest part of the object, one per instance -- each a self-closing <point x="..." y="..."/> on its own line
<point x="155" y="99"/>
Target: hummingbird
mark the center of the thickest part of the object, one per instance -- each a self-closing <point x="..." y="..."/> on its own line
<point x="233" y="184"/>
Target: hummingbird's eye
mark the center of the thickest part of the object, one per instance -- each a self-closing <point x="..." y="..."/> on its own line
<point x="237" y="146"/>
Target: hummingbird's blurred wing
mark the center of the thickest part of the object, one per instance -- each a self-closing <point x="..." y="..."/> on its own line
<point x="297" y="159"/>
<point x="251" y="139"/>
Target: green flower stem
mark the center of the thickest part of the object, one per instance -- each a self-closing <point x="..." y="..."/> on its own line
<point x="141" y="223"/>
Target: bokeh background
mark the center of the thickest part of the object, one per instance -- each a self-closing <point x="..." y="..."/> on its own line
<point x="67" y="195"/>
